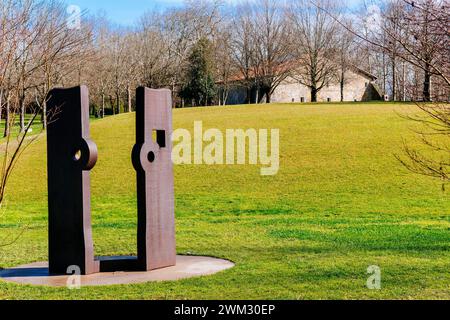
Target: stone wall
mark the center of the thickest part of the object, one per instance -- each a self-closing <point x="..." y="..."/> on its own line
<point x="357" y="88"/>
<point x="292" y="91"/>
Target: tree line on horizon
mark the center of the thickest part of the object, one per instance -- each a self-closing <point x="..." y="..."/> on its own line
<point x="199" y="50"/>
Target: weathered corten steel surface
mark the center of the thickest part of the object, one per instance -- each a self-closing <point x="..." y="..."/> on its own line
<point x="70" y="157"/>
<point x="155" y="181"/>
<point x="155" y="186"/>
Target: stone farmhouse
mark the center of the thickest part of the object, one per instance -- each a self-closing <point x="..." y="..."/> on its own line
<point x="358" y="86"/>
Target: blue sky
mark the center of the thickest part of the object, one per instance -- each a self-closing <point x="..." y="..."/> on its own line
<point x="123" y="11"/>
<point x="126" y="12"/>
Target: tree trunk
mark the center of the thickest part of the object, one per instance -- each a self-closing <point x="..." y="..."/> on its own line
<point x="22" y="112"/>
<point x="313" y="94"/>
<point x="130" y="109"/>
<point x="44" y="104"/>
<point x="225" y="97"/>
<point x="427" y="85"/>
<point x="1" y="105"/>
<point x="7" y="119"/>
<point x="384" y="74"/>
<point x="118" y="102"/>
<point x="404" y="82"/>
<point x="342" y="85"/>
<point x="111" y="102"/>
<point x="44" y="115"/>
<point x="394" y="80"/>
<point x="269" y="96"/>
<point x="103" y="105"/>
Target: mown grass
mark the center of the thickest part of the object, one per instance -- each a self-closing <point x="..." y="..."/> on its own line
<point x="340" y="203"/>
<point x="36" y="128"/>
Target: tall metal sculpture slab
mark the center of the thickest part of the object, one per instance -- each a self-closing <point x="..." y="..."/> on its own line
<point x="71" y="155"/>
<point x="155" y="183"/>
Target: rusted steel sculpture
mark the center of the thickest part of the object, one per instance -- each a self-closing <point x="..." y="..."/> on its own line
<point x="71" y="155"/>
<point x="155" y="182"/>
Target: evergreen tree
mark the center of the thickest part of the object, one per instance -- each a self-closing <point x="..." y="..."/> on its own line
<point x="200" y="85"/>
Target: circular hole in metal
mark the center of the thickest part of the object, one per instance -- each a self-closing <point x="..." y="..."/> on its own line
<point x="151" y="156"/>
<point x="77" y="155"/>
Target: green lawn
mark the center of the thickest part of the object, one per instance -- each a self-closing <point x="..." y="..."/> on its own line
<point x="36" y="127"/>
<point x="340" y="203"/>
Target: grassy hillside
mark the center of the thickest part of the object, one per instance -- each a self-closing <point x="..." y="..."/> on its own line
<point x="340" y="203"/>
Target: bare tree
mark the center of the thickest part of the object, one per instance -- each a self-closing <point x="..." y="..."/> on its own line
<point x="416" y="32"/>
<point x="14" y="46"/>
<point x="428" y="22"/>
<point x="60" y="52"/>
<point x="224" y="62"/>
<point x="433" y="158"/>
<point x="315" y="42"/>
<point x="36" y="52"/>
<point x="118" y="56"/>
<point x="272" y="47"/>
<point x="345" y="46"/>
<point x="184" y="27"/>
<point x="158" y="59"/>
<point x="244" y="46"/>
<point x="97" y="71"/>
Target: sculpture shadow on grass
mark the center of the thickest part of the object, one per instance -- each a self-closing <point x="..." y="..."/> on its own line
<point x="24" y="273"/>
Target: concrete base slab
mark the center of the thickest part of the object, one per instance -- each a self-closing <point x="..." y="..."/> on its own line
<point x="187" y="267"/>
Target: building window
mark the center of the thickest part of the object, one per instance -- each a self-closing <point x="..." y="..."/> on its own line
<point x="302" y="99"/>
<point x="293" y="99"/>
<point x="329" y="99"/>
